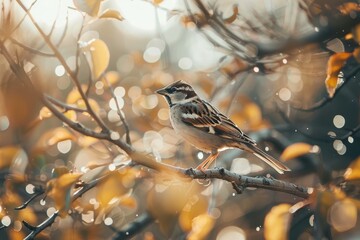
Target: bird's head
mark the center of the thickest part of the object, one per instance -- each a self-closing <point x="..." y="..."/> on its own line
<point x="178" y="93"/>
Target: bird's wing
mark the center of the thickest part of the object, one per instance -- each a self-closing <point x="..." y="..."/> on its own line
<point x="205" y="117"/>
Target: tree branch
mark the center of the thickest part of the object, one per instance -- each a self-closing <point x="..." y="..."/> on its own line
<point x="242" y="182"/>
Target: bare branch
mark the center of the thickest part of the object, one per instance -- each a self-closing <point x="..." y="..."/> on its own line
<point x="243" y="182"/>
<point x="38" y="229"/>
<point x="121" y="115"/>
<point x="63" y="105"/>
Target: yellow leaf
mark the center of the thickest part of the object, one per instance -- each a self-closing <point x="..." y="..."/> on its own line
<point x="335" y="64"/>
<point x="111" y="189"/>
<point x="295" y="150"/>
<point x="353" y="171"/>
<point x="201" y="227"/>
<point x="59" y="190"/>
<point x="7" y="155"/>
<point x="98" y="56"/>
<point x="91" y="7"/>
<point x="51" y="138"/>
<point x="196" y="205"/>
<point x="74" y="95"/>
<point x="277" y="222"/>
<point x="233" y="17"/>
<point x="45" y="113"/>
<point x="93" y="104"/>
<point x="113" y="14"/>
<point x="71" y="114"/>
<point x="110" y="78"/>
<point x="86" y="141"/>
<point x="59" y="171"/>
<point x="128" y="201"/>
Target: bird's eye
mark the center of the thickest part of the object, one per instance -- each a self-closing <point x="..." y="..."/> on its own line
<point x="171" y="90"/>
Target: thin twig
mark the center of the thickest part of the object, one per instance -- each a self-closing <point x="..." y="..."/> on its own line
<point x="38" y="229"/>
<point x="119" y="112"/>
<point x="63" y="105"/>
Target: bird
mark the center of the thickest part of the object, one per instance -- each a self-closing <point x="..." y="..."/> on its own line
<point x="206" y="128"/>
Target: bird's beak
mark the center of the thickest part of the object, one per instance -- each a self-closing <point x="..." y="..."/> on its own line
<point x="161" y="91"/>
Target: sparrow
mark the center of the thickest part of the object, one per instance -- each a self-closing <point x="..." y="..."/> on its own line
<point x="206" y="128"/>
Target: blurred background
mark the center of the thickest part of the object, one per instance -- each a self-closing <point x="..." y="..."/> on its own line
<point x="262" y="63"/>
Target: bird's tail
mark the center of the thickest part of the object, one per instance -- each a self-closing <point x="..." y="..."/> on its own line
<point x="275" y="164"/>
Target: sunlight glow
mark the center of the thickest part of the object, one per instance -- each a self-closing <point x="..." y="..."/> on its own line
<point x="144" y="15"/>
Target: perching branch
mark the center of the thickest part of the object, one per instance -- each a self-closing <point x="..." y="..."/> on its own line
<point x="241" y="182"/>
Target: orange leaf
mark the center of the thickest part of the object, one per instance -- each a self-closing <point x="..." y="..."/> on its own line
<point x="7" y="155"/>
<point x="356" y="54"/>
<point x="59" y="190"/>
<point x="111" y="189"/>
<point x="353" y="171"/>
<point x="349" y="7"/>
<point x="128" y="201"/>
<point x="335" y="64"/>
<point x="277" y="222"/>
<point x="296" y="150"/>
<point x="112" y="14"/>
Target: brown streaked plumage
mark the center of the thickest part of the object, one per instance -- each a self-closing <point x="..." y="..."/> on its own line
<point x="203" y="126"/>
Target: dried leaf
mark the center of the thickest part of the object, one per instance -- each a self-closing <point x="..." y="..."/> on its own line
<point x="353" y="171"/>
<point x="91" y="7"/>
<point x="112" y="14"/>
<point x="59" y="190"/>
<point x="98" y="56"/>
<point x="295" y="150"/>
<point x="233" y="17"/>
<point x="277" y="222"/>
<point x="335" y="64"/>
<point x="7" y="155"/>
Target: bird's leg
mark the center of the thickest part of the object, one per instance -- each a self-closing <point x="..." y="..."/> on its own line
<point x="207" y="162"/>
